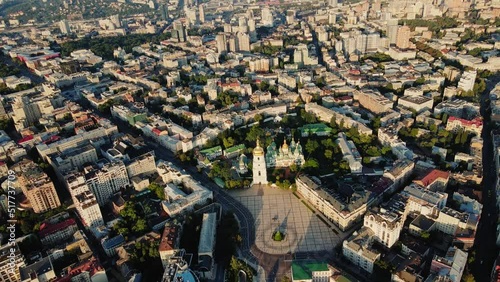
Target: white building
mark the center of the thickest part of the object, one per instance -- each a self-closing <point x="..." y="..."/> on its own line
<point x="350" y="153"/>
<point x="357" y="249"/>
<point x="450" y="267"/>
<point x="386" y="226"/>
<point x="450" y="221"/>
<point x="424" y="201"/>
<point x="267" y="17"/>
<point x="182" y="192"/>
<point x="418" y="103"/>
<point x="84" y="200"/>
<point x="466" y="82"/>
<point x="105" y="179"/>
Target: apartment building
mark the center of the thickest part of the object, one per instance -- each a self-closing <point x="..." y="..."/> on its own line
<point x="358" y="249"/>
<point x="54" y="233"/>
<point x="10" y="263"/>
<point x="37" y="186"/>
<point x="105" y="179"/>
<point x="169" y="244"/>
<point x="373" y="101"/>
<point x="454" y="124"/>
<point x="84" y="200"/>
<point x="386" y="225"/>
<point x="342" y="211"/>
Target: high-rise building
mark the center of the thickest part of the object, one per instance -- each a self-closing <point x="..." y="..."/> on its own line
<point x="259" y="165"/>
<point x="191" y="15"/>
<point x="10" y="263"/>
<point x="105" y="179"/>
<point x="290" y="16"/>
<point x="333" y="3"/>
<point x="233" y="43"/>
<point x="201" y="11"/>
<point x="267" y="17"/>
<point x="392" y="30"/>
<point x="64" y="27"/>
<point x="372" y="42"/>
<point x="403" y="37"/>
<point x="179" y="31"/>
<point x="164" y="12"/>
<point x="37" y="186"/>
<point x="332" y="18"/>
<point x="221" y="42"/>
<point x="243" y="41"/>
<point x="251" y="29"/>
<point x="84" y="200"/>
<point x="242" y="24"/>
<point x="116" y="20"/>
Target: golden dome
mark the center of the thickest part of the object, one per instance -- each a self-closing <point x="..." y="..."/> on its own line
<point x="258" y="151"/>
<point x="285" y="146"/>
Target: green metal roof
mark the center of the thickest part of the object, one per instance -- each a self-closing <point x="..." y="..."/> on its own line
<point x="219" y="182"/>
<point x="235" y="148"/>
<point x="211" y="150"/>
<point x="316" y="127"/>
<point x="304" y="270"/>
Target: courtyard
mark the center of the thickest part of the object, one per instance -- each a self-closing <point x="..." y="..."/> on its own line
<point x="275" y="209"/>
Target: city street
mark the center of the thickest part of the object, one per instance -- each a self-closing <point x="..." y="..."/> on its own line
<point x="485" y="242"/>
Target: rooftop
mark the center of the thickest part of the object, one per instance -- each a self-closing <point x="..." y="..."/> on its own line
<point x="304" y="270"/>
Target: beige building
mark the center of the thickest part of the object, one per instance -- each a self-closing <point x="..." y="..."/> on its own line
<point x="358" y="249"/>
<point x="373" y="101"/>
<point x="344" y="214"/>
<point x="7" y="272"/>
<point x="37" y="187"/>
<point x="403" y="37"/>
<point x="386" y="226"/>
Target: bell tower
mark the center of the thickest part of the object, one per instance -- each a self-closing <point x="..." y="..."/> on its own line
<point x="259" y="165"/>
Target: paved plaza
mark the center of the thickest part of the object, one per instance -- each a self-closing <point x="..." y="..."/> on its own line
<point x="275" y="209"/>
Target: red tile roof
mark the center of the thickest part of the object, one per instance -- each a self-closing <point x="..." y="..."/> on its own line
<point x="432" y="176"/>
<point x="476" y="122"/>
<point x="168" y="238"/>
<point x="25" y="139"/>
<point x="46" y="228"/>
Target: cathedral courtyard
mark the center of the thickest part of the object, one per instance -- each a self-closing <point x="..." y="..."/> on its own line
<point x="276" y="209"/>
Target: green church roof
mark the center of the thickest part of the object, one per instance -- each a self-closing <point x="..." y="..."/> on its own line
<point x="304" y="270"/>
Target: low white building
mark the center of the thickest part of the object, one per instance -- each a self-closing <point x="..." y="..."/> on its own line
<point x="350" y="153"/>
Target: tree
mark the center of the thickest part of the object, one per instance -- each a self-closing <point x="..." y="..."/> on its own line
<point x="425" y="235"/>
<point x="328" y="154"/>
<point x="140" y="226"/>
<point x="255" y="133"/>
<point x="228" y="142"/>
<point x="308" y="117"/>
<point x="419" y="81"/>
<point x="4" y="123"/>
<point x="311" y="164"/>
<point x="328" y="143"/>
<point x="311" y="146"/>
<point x="469" y="278"/>
<point x="157" y="190"/>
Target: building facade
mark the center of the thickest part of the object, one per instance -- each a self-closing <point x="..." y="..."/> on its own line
<point x="259" y="165"/>
<point x="285" y="156"/>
